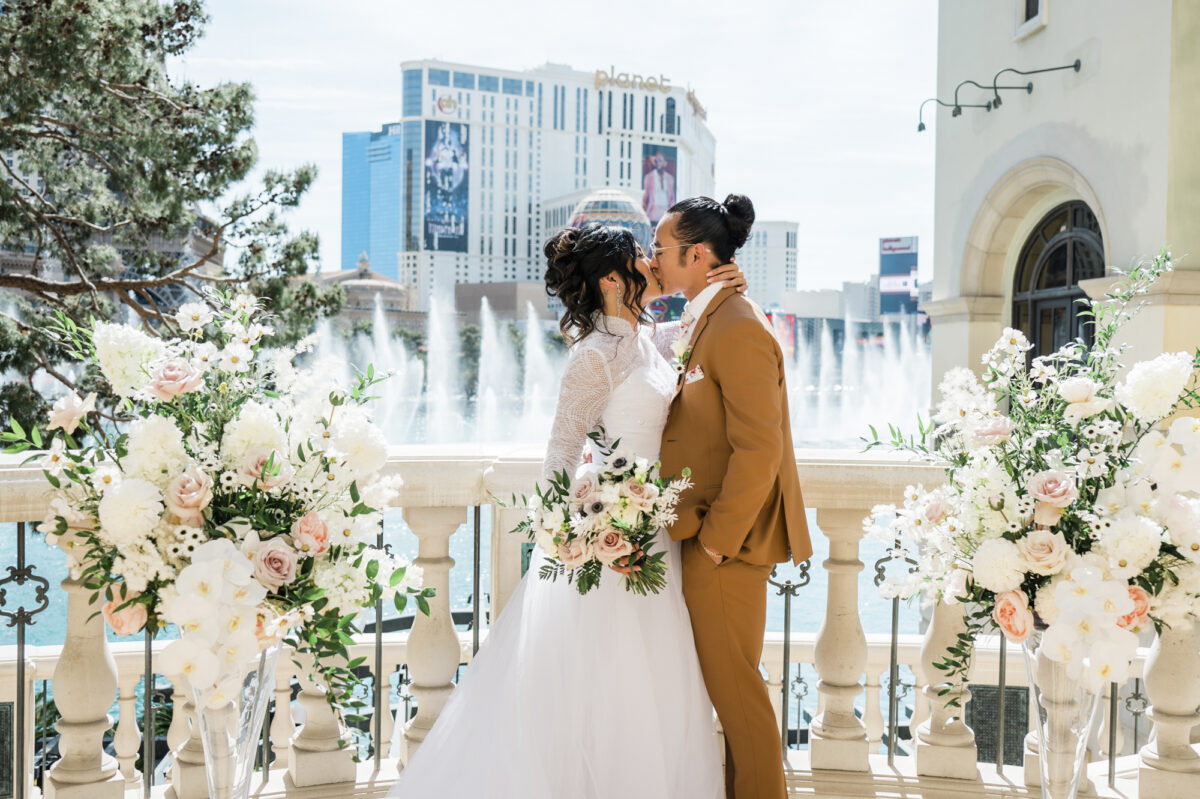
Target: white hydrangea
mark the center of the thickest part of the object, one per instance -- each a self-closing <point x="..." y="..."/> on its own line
<point x="1129" y="544"/>
<point x="256" y="427"/>
<point x="962" y="395"/>
<point x="155" y="450"/>
<point x="345" y="585"/>
<point x="1151" y="388"/>
<point x="998" y="566"/>
<point x="357" y="441"/>
<point x="124" y="354"/>
<point x="129" y="512"/>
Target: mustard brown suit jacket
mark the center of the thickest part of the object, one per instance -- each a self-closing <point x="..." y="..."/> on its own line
<point x="732" y="428"/>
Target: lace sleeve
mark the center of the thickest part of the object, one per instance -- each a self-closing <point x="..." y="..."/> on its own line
<point x="582" y="397"/>
<point x="664" y="334"/>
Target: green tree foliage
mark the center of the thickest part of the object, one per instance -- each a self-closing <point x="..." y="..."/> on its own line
<point x="104" y="156"/>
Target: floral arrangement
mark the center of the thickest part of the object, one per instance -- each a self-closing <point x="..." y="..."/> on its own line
<point x="236" y="498"/>
<point x="608" y="516"/>
<point x="1065" y="507"/>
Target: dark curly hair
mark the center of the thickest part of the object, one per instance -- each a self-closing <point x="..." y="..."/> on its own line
<point x="576" y="260"/>
<point x="724" y="227"/>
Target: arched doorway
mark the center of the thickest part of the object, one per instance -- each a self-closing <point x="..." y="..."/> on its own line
<point x="1065" y="247"/>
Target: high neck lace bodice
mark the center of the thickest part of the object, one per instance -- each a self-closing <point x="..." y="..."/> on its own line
<point x="616" y="378"/>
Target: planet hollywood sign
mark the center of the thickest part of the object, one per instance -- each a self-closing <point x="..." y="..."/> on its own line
<point x="625" y="80"/>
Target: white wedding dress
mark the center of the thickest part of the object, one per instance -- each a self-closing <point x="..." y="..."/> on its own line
<point x="584" y="697"/>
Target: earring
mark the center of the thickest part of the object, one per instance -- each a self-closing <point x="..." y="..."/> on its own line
<point x="619" y="295"/>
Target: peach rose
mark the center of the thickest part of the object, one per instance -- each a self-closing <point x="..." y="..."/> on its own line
<point x="936" y="508"/>
<point x="1012" y="615"/>
<point x="126" y="621"/>
<point x="69" y="410"/>
<point x="582" y="487"/>
<point x="310" y="534"/>
<point x="1053" y="490"/>
<point x="174" y="377"/>
<point x="189" y="494"/>
<point x="574" y="553"/>
<point x="642" y="496"/>
<point x="254" y="469"/>
<point x="993" y="431"/>
<point x="275" y="564"/>
<point x="1044" y="552"/>
<point x="1141" y="606"/>
<point x="611" y="545"/>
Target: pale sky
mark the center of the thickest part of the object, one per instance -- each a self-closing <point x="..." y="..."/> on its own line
<point x="813" y="104"/>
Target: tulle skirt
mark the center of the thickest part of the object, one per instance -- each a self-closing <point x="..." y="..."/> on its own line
<point x="577" y="697"/>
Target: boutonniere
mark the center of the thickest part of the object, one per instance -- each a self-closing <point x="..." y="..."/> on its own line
<point x="682" y="352"/>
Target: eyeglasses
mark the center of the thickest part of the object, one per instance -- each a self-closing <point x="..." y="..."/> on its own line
<point x="658" y="250"/>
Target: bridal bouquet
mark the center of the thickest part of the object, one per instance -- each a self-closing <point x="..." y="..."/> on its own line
<point x="1065" y="506"/>
<point x="236" y="499"/>
<point x="609" y="515"/>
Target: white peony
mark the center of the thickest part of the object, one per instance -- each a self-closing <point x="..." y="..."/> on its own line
<point x="998" y="566"/>
<point x="155" y="450"/>
<point x="1083" y="399"/>
<point x="124" y="355"/>
<point x="256" y="427"/>
<point x="358" y="442"/>
<point x="1151" y="388"/>
<point x="1129" y="544"/>
<point x="129" y="512"/>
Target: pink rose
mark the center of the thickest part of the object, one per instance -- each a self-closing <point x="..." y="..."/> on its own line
<point x="936" y="507"/>
<point x="582" y="487"/>
<point x="1044" y="552"/>
<point x="574" y="553"/>
<point x="69" y="410"/>
<point x="611" y="545"/>
<point x="1012" y="615"/>
<point x="641" y="495"/>
<point x="993" y="431"/>
<point x="1141" y="606"/>
<point x="310" y="534"/>
<point x="176" y="376"/>
<point x="275" y="564"/>
<point x="1053" y="490"/>
<point x="126" y="621"/>
<point x="254" y="470"/>
<point x="189" y="494"/>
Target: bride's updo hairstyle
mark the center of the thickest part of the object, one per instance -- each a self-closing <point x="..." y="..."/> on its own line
<point x="724" y="227"/>
<point x="577" y="259"/>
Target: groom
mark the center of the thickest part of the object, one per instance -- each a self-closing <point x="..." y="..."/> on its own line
<point x="729" y="423"/>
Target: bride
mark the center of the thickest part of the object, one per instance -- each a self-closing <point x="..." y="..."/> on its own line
<point x="597" y="696"/>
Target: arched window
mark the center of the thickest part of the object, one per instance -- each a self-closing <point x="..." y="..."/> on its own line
<point x="1065" y="248"/>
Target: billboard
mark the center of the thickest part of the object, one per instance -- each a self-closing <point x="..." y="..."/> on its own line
<point x="659" y="166"/>
<point x="898" y="275"/>
<point x="784" y="325"/>
<point x="446" y="172"/>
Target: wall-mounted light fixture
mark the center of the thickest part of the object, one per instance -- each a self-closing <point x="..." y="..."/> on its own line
<point x="957" y="107"/>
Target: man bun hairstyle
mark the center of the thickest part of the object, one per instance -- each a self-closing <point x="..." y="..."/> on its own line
<point x="724" y="227"/>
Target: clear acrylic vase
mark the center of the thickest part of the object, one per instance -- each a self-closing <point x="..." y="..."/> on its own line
<point x="1068" y="716"/>
<point x="231" y="731"/>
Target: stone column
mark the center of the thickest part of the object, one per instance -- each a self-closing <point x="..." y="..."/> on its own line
<point x="188" y="777"/>
<point x="945" y="744"/>
<point x="85" y="684"/>
<point x="433" y="650"/>
<point x="320" y="751"/>
<point x="127" y="740"/>
<point x="282" y="726"/>
<point x="839" y="737"/>
<point x="1170" y="763"/>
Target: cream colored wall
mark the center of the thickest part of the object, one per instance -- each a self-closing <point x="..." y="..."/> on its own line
<point x="1109" y="122"/>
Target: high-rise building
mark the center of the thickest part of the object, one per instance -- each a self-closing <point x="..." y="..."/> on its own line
<point x="483" y="164"/>
<point x="769" y="261"/>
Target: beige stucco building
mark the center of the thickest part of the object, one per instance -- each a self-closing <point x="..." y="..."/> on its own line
<point x="1040" y="199"/>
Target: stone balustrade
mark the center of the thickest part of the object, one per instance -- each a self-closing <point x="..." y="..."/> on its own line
<point x="90" y="676"/>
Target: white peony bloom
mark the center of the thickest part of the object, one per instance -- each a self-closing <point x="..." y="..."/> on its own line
<point x="358" y="442"/>
<point x="256" y="427"/>
<point x="130" y="512"/>
<point x="998" y="566"/>
<point x="155" y="450"/>
<point x="193" y="316"/>
<point x="124" y="355"/>
<point x="1152" y="388"/>
<point x="1130" y="544"/>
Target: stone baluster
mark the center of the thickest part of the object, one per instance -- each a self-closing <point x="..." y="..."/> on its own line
<point x="920" y="710"/>
<point x="945" y="744"/>
<point x="873" y="713"/>
<point x="85" y="684"/>
<point x="127" y="739"/>
<point x="774" y="667"/>
<point x="839" y="737"/>
<point x="1170" y="763"/>
<point x="282" y="726"/>
<point x="177" y="730"/>
<point x="1107" y="723"/>
<point x="433" y="649"/>
<point x="320" y="754"/>
<point x="188" y="777"/>
<point x="387" y="724"/>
